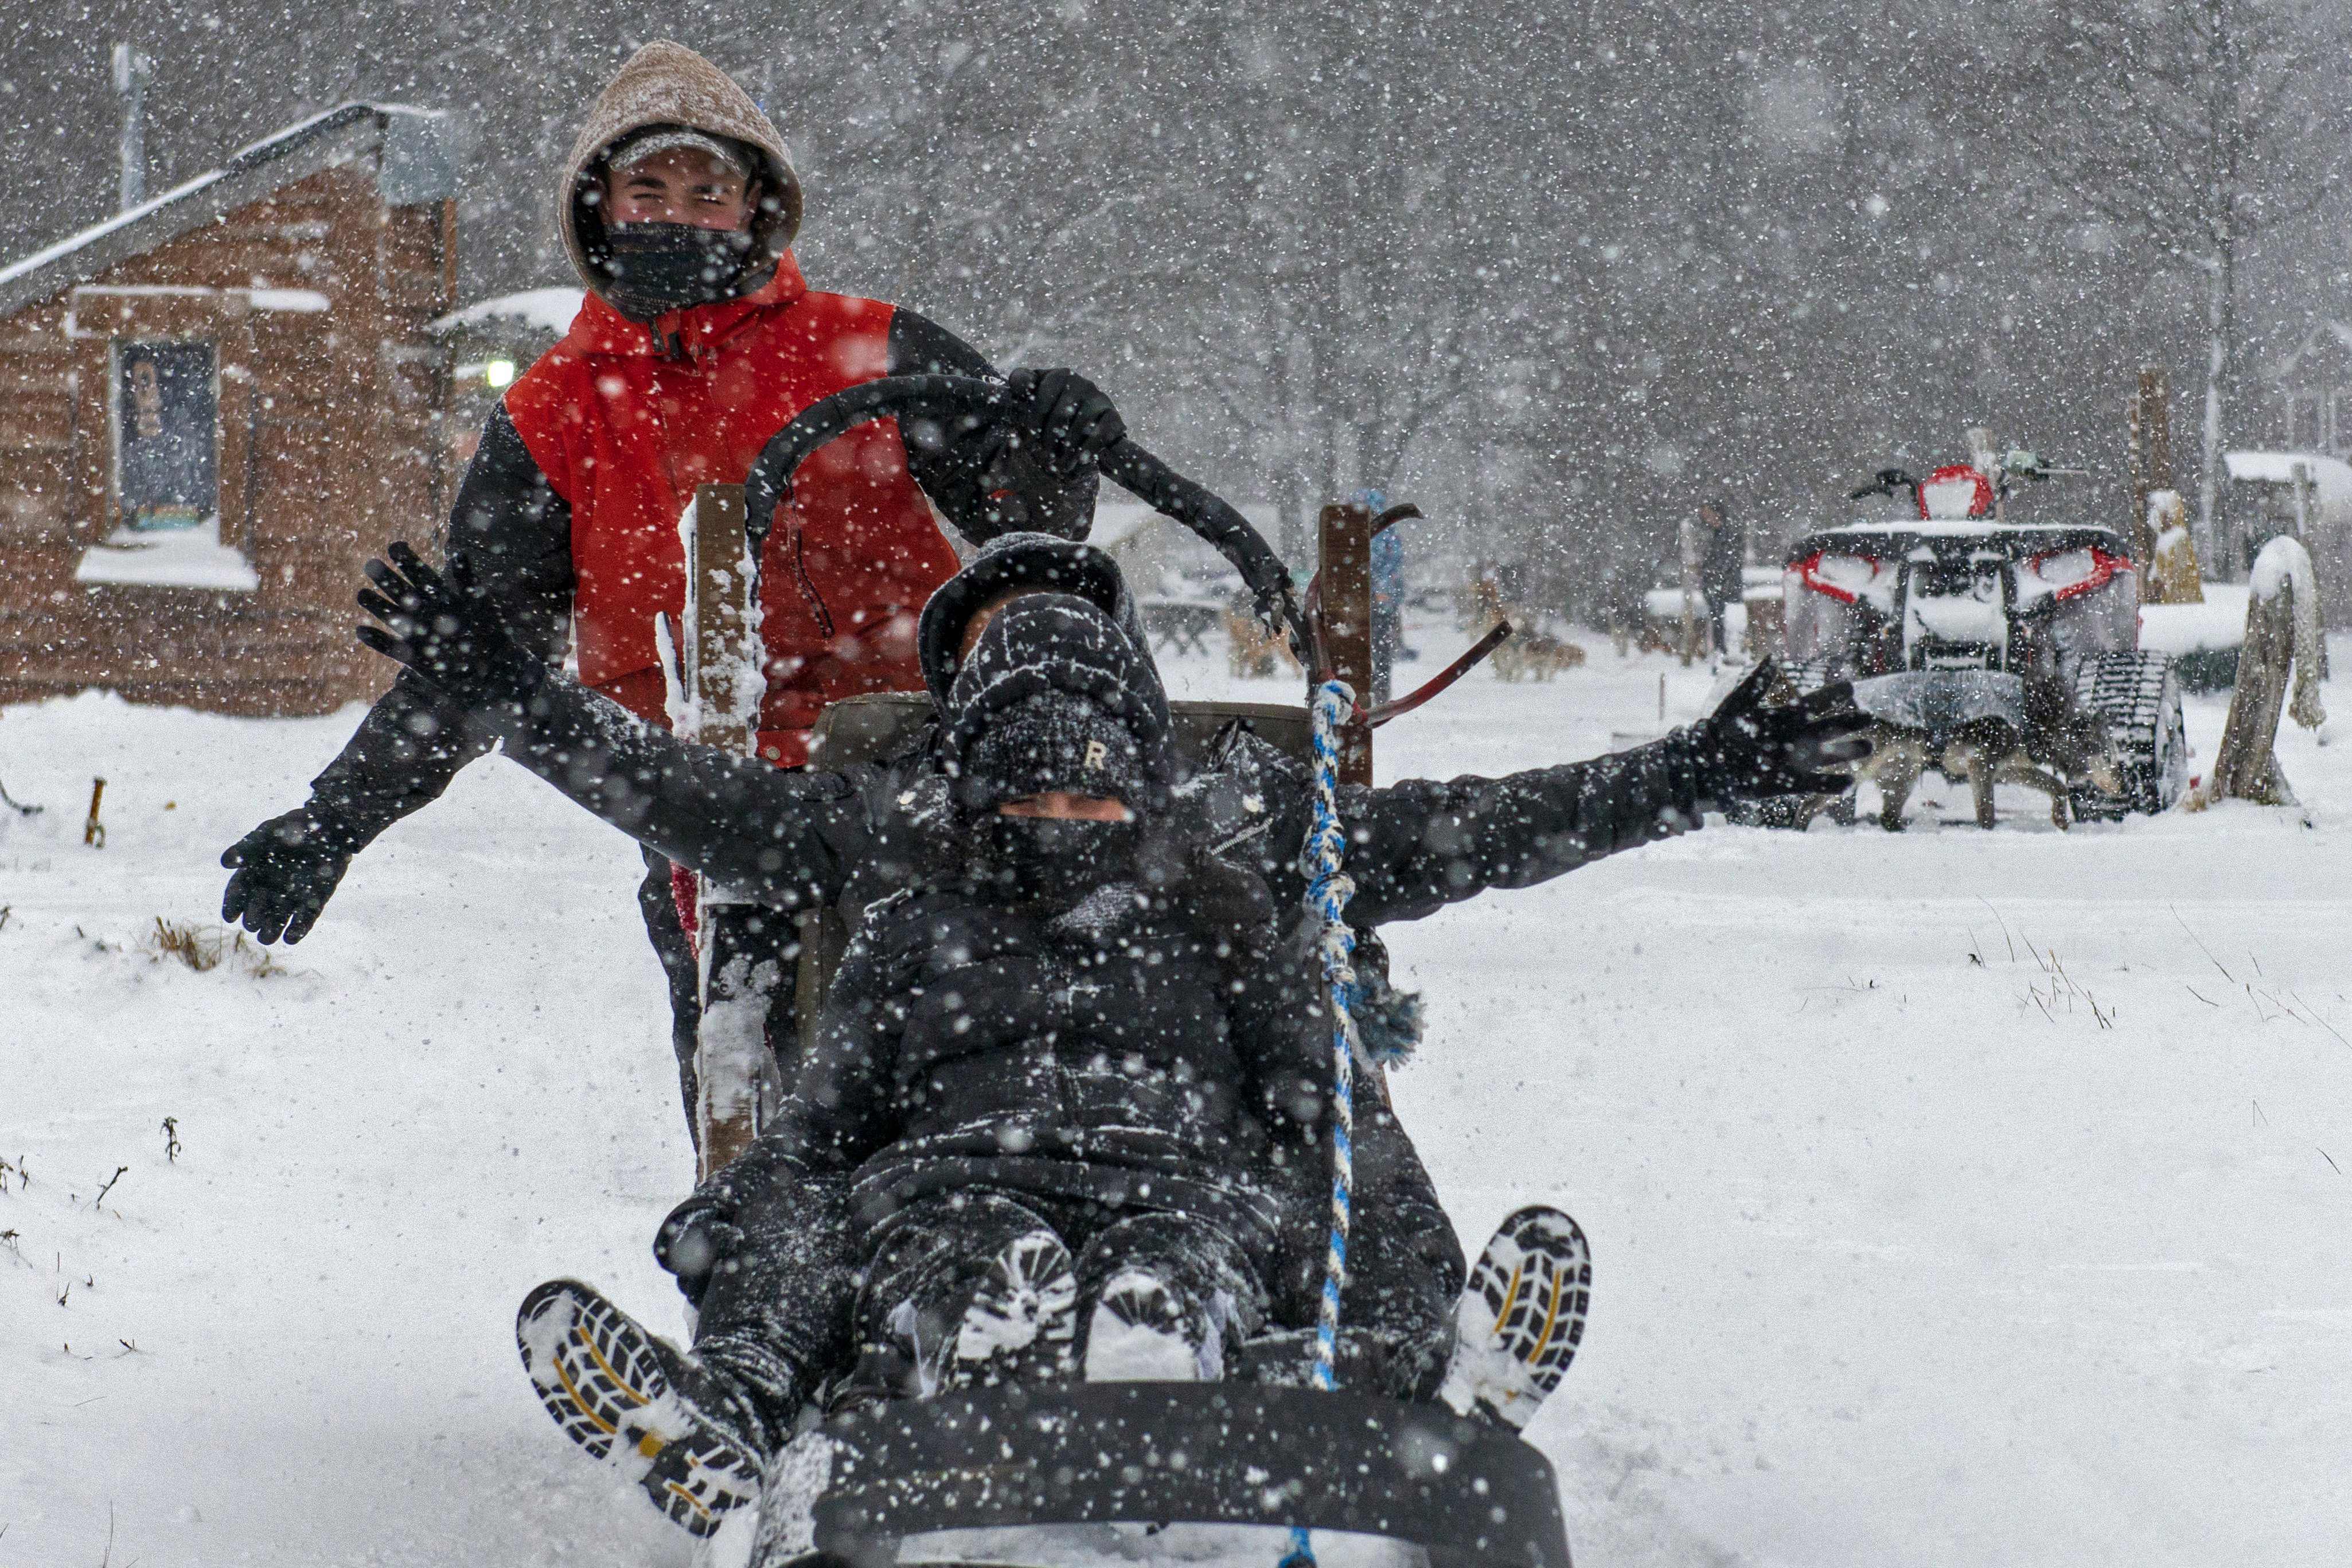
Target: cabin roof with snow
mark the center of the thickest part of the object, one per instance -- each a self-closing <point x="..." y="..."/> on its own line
<point x="418" y="165"/>
<point x="2330" y="479"/>
<point x="217" y="406"/>
<point x="547" y="311"/>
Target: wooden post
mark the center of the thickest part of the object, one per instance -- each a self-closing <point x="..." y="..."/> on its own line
<point x="1690" y="549"/>
<point x="742" y="943"/>
<point x="719" y="619"/>
<point x="2150" y="417"/>
<point x="2281" y="633"/>
<point x="2246" y="766"/>
<point x="1344" y="554"/>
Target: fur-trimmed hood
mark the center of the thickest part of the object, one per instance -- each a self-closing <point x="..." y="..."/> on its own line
<point x="669" y="84"/>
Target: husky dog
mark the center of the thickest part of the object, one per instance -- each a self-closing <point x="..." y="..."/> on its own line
<point x="1251" y="652"/>
<point x="2058" y="742"/>
<point x="1528" y="655"/>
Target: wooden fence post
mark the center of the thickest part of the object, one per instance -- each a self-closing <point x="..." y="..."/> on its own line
<point x="1344" y="606"/>
<point x="2149" y="416"/>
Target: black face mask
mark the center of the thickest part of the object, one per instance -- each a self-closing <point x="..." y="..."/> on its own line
<point x="652" y="269"/>
<point x="1047" y="860"/>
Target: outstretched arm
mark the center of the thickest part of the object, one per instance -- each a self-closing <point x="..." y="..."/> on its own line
<point x="516" y="532"/>
<point x="784" y="837"/>
<point x="1418" y="845"/>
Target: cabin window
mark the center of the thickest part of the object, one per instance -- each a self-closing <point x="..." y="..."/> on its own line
<point x="166" y="437"/>
<point x="165" y="412"/>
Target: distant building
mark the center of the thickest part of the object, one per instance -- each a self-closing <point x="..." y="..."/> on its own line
<point x="489" y="344"/>
<point x="2312" y="389"/>
<point x="219" y="403"/>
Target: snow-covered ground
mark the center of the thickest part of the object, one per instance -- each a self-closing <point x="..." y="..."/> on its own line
<point x="1958" y="1198"/>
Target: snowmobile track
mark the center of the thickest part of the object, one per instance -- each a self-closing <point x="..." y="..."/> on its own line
<point x="2140" y="698"/>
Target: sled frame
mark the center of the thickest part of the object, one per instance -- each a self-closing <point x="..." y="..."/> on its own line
<point x="1213" y="1454"/>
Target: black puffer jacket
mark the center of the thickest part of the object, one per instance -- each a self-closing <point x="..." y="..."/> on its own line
<point x="515" y="534"/>
<point x="1149" y="1048"/>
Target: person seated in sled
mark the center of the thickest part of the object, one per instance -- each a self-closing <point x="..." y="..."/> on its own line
<point x="1070" y="1074"/>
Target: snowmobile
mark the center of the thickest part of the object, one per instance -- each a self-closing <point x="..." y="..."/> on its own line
<point x="1233" y="1473"/>
<point x="1939" y="619"/>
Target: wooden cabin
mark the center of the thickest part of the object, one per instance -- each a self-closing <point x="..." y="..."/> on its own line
<point x="217" y="406"/>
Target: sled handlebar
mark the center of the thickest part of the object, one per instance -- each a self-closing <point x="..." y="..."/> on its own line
<point x="770" y="483"/>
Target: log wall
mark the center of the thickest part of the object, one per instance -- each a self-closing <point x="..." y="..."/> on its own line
<point x="328" y="442"/>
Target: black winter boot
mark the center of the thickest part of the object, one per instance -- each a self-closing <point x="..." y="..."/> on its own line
<point x="1521" y="1319"/>
<point x="1171" y="1294"/>
<point x="691" y="1432"/>
<point x="1019" y="1320"/>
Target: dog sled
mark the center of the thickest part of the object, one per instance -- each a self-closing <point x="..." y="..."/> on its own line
<point x="1211" y="1473"/>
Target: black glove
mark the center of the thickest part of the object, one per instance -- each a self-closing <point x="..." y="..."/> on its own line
<point x="1747" y="750"/>
<point x="285" y="869"/>
<point x="1061" y="420"/>
<point x="451" y="635"/>
<point x="700" y="1235"/>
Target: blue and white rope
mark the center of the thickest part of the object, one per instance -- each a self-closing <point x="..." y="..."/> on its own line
<point x="1328" y="889"/>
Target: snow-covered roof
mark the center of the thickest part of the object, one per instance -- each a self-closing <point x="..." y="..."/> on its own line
<point x="418" y="164"/>
<point x="2330" y="477"/>
<point x="548" y="310"/>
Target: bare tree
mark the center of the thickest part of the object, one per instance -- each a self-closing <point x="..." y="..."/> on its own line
<point x="2198" y="126"/>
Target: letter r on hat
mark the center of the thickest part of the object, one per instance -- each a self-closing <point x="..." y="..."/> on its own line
<point x="1096" y="754"/>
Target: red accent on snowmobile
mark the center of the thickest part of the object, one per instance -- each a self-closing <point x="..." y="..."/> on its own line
<point x="1808" y="572"/>
<point x="2105" y="566"/>
<point x="1980" y="505"/>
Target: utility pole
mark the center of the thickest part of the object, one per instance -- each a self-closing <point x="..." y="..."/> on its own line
<point x="132" y="71"/>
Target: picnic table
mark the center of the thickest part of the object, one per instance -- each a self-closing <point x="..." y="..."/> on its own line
<point x="1182" y="625"/>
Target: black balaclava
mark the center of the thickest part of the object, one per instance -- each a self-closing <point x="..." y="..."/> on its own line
<point x="647" y="269"/>
<point x="1054" y="698"/>
<point x="652" y="268"/>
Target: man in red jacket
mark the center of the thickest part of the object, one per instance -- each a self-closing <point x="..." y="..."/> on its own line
<point x="699" y="340"/>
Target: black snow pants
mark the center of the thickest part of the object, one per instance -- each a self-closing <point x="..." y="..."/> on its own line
<point x="791" y="1282"/>
<point x="930" y="1259"/>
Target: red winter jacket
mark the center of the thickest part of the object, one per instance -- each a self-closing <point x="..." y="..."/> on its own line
<point x="625" y="421"/>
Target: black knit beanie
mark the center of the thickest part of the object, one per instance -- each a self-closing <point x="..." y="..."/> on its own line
<point x="1055" y="696"/>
